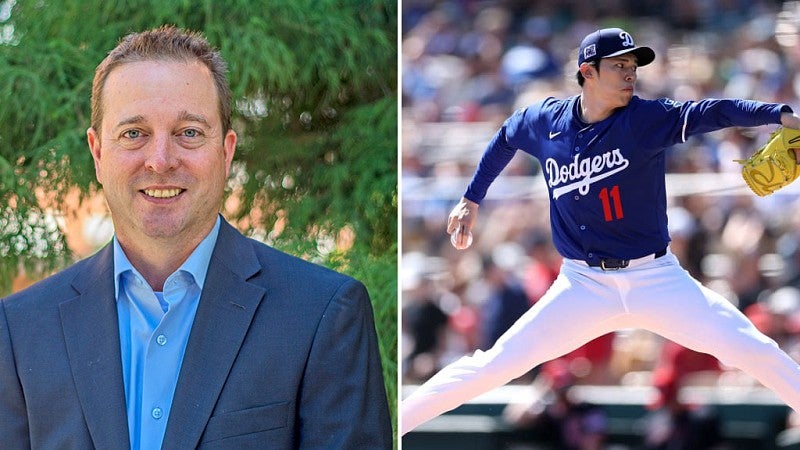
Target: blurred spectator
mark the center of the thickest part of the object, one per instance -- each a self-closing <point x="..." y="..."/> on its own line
<point x="426" y="324"/>
<point x="675" y="426"/>
<point x="777" y="315"/>
<point x="590" y="363"/>
<point x="555" y="417"/>
<point x="672" y="424"/>
<point x="506" y="301"/>
<point x="543" y="264"/>
<point x="425" y="321"/>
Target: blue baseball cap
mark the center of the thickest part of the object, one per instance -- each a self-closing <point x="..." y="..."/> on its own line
<point x="610" y="42"/>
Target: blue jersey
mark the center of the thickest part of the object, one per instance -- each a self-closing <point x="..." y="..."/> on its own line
<point x="606" y="180"/>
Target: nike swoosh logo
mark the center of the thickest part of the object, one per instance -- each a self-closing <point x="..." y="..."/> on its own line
<point x="552" y="135"/>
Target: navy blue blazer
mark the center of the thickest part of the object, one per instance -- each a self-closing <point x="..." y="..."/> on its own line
<point x="282" y="354"/>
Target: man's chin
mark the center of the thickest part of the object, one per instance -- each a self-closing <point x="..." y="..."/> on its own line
<point x="176" y="229"/>
<point x="160" y="228"/>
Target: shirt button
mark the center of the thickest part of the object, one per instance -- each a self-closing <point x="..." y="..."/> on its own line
<point x="590" y="255"/>
<point x="577" y="198"/>
<point x="577" y="149"/>
<point x="583" y="227"/>
<point x="161" y="339"/>
<point x="157" y="413"/>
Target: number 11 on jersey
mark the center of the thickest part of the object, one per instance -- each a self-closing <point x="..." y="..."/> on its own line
<point x="611" y="203"/>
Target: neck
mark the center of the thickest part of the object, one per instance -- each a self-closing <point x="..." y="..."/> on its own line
<point x="157" y="259"/>
<point x="154" y="266"/>
<point x="591" y="109"/>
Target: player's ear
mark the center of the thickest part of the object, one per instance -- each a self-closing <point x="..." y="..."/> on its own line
<point x="587" y="70"/>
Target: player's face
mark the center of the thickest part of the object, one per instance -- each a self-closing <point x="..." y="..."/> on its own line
<point x="616" y="80"/>
<point x="161" y="154"/>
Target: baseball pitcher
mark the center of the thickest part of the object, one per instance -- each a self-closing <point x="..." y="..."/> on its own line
<point x="602" y="154"/>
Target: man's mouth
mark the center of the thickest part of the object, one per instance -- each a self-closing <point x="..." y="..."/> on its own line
<point x="162" y="193"/>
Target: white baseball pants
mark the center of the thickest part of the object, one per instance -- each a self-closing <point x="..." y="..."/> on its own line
<point x="586" y="302"/>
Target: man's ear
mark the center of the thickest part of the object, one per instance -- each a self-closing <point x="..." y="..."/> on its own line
<point x="229" y="147"/>
<point x="587" y="70"/>
<point x="93" y="139"/>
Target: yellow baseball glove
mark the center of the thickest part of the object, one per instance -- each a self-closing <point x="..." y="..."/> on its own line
<point x="774" y="165"/>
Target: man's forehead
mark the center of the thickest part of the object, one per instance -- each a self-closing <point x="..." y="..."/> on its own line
<point x="135" y="91"/>
<point x="159" y="72"/>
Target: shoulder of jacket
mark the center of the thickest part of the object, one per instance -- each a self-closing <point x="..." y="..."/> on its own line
<point x="282" y="264"/>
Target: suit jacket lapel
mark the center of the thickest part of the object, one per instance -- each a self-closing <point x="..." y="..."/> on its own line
<point x="226" y="308"/>
<point x="91" y="333"/>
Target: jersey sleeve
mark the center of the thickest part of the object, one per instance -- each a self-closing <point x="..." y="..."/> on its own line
<point x="499" y="152"/>
<point x="665" y="121"/>
<point x="713" y="114"/>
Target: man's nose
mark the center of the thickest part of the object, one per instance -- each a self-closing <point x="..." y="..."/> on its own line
<point x="161" y="156"/>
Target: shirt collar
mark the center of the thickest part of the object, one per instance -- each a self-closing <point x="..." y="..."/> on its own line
<point x="196" y="264"/>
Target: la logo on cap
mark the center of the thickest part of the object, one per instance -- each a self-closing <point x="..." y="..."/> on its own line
<point x="627" y="40"/>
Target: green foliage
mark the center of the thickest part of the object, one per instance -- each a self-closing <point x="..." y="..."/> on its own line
<point x="316" y="112"/>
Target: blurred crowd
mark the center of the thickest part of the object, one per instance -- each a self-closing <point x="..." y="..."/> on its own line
<point x="467" y="65"/>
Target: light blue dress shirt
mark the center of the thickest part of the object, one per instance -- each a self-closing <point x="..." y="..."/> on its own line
<point x="154" y="329"/>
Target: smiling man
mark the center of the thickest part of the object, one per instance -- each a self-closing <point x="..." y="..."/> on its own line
<point x="162" y="156"/>
<point x="182" y="333"/>
<point x="603" y="158"/>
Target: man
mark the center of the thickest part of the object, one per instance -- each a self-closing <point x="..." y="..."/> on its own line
<point x="603" y="157"/>
<point x="505" y="303"/>
<point x="183" y="333"/>
<point x="555" y="416"/>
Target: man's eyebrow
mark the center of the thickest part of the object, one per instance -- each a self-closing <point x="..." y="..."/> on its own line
<point x="184" y="116"/>
<point x="130" y="120"/>
<point x="189" y="117"/>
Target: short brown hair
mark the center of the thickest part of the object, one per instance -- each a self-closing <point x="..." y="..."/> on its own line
<point x="163" y="43"/>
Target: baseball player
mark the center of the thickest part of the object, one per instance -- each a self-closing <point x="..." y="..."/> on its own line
<point x="602" y="154"/>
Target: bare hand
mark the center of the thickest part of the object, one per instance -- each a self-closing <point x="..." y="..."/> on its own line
<point x="791" y="120"/>
<point x="462" y="219"/>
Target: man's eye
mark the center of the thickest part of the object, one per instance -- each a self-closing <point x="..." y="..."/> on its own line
<point x="191" y="133"/>
<point x="132" y="134"/>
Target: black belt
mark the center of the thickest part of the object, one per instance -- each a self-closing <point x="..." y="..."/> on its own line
<point x="616" y="263"/>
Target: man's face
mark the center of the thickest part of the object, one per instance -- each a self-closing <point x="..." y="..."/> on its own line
<point x="616" y="79"/>
<point x="161" y="154"/>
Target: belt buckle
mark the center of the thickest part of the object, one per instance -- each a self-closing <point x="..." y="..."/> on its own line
<point x="623" y="263"/>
